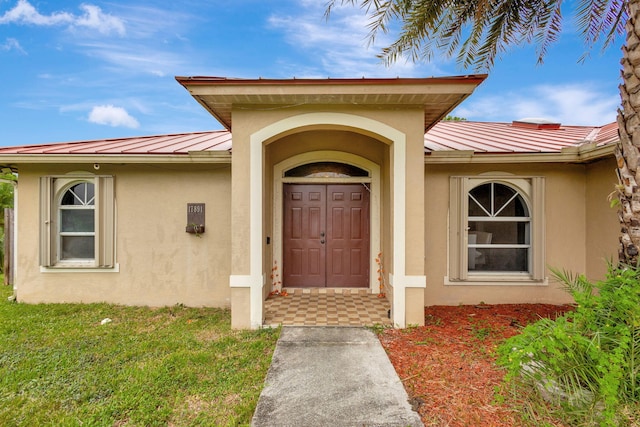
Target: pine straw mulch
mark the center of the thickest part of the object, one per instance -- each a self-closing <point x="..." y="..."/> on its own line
<point x="448" y="366"/>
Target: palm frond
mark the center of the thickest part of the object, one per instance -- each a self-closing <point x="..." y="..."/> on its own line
<point x="598" y="17"/>
<point x="572" y="282"/>
<point x="477" y="32"/>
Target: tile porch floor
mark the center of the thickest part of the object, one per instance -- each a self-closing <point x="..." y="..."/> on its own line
<point x="326" y="307"/>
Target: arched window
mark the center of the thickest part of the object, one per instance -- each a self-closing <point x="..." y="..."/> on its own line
<point x="77" y="222"/>
<point x="499" y="229"/>
<point x="326" y="170"/>
<point x="496" y="229"/>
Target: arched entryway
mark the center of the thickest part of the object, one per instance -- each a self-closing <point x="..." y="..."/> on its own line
<point x="249" y="291"/>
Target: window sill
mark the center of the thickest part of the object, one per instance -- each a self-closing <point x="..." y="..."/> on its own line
<point x="497" y="280"/>
<point x="79" y="269"/>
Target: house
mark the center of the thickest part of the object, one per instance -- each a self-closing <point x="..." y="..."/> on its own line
<point x="328" y="182"/>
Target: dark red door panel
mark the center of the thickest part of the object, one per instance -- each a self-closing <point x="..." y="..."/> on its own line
<point x="304" y="221"/>
<point x="347" y="235"/>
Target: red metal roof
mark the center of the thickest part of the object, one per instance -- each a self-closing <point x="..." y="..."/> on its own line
<point x="181" y="143"/>
<point x="607" y="134"/>
<point x="479" y="137"/>
<point x="491" y="137"/>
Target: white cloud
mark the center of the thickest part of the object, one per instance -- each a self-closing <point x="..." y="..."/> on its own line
<point x="25" y="13"/>
<point x="137" y="58"/>
<point x="147" y="50"/>
<point x="570" y="104"/>
<point x="93" y="18"/>
<point x="341" y="44"/>
<point x="112" y="116"/>
<point x="12" y="44"/>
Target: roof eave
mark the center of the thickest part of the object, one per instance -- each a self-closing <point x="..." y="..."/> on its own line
<point x="584" y="155"/>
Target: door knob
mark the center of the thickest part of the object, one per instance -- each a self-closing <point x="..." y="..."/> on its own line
<point x="322" y="234"/>
<point x="322" y="241"/>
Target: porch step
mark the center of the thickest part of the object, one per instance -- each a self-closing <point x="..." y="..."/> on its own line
<point x="328" y="291"/>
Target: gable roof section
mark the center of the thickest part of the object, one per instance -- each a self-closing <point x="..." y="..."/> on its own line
<point x="437" y="96"/>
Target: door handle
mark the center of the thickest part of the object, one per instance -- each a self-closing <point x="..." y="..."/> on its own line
<point x="322" y="234"/>
<point x="322" y="241"/>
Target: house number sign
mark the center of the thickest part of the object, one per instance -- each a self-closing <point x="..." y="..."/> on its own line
<point x="195" y="218"/>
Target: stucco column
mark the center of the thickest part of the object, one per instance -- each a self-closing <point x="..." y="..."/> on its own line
<point x="415" y="226"/>
<point x="408" y="279"/>
<point x="246" y="279"/>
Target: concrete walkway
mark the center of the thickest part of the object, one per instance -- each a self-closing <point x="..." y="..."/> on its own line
<point x="324" y="376"/>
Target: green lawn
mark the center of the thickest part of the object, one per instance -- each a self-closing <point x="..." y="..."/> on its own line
<point x="175" y="366"/>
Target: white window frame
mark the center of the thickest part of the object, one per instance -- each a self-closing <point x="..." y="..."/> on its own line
<point x="60" y="208"/>
<point x="532" y="191"/>
<point x="52" y="189"/>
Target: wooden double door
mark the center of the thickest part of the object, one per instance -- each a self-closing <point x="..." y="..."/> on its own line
<point x="326" y="235"/>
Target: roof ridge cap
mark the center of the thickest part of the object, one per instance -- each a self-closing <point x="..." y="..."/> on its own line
<point x="590" y="138"/>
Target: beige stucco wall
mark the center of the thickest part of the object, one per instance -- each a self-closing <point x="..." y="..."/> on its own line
<point x="315" y="140"/>
<point x="159" y="263"/>
<point x="603" y="226"/>
<point x="578" y="228"/>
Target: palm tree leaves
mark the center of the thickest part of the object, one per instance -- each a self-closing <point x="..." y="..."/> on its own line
<point x="601" y="17"/>
<point x="477" y="32"/>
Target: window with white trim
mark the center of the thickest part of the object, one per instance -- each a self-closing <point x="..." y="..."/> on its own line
<point x="77" y="221"/>
<point x="496" y="228"/>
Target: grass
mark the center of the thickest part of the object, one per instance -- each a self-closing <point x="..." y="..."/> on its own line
<point x="173" y="366"/>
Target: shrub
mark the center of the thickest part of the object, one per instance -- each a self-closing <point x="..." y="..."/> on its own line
<point x="585" y="364"/>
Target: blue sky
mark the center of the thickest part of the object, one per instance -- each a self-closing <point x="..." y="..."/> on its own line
<point x="74" y="70"/>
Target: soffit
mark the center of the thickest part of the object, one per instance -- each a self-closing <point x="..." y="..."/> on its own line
<point x="436" y="95"/>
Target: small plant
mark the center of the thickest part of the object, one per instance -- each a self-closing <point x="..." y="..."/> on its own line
<point x="480" y="333"/>
<point x="410" y="327"/>
<point x="426" y="341"/>
<point x="378" y="328"/>
<point x="430" y="319"/>
<point x="585" y="364"/>
<point x="276" y="283"/>
<point x="381" y="284"/>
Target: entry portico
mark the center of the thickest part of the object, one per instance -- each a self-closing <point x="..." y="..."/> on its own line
<point x="376" y="125"/>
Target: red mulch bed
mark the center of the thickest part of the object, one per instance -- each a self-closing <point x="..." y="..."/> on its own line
<point x="448" y="366"/>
